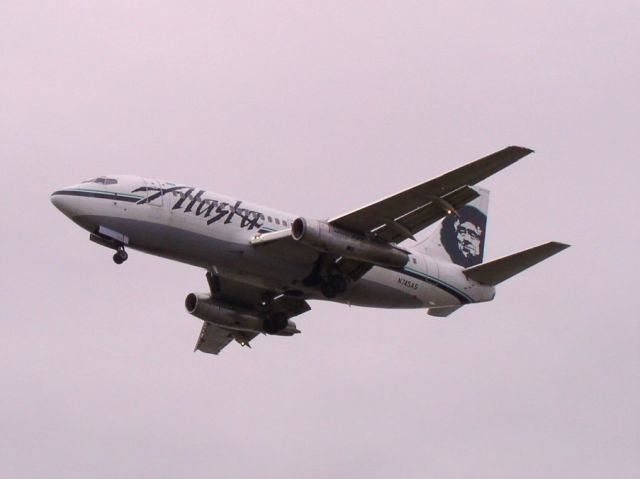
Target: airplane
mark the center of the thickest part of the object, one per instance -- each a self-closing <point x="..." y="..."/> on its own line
<point x="263" y="265"/>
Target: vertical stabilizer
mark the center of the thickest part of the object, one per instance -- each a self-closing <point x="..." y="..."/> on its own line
<point x="460" y="236"/>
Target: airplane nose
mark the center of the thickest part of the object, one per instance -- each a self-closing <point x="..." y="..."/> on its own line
<point x="55" y="199"/>
<point x="63" y="202"/>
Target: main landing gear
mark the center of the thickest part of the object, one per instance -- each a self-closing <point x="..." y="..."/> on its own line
<point x="327" y="277"/>
<point x="275" y="322"/>
<point x="120" y="255"/>
<point x="333" y="286"/>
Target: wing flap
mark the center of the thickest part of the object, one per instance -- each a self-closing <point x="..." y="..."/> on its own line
<point x="499" y="270"/>
<point x="443" y="312"/>
<point x="425" y="215"/>
<point x="214" y="339"/>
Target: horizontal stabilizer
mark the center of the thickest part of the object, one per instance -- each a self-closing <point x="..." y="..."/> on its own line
<point x="497" y="271"/>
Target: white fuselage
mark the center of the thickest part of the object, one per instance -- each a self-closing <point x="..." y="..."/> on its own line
<point x="214" y="232"/>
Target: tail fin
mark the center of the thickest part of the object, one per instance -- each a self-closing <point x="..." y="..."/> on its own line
<point x="460" y="237"/>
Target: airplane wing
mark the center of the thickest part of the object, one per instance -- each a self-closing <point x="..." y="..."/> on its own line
<point x="214" y="338"/>
<point x="400" y="216"/>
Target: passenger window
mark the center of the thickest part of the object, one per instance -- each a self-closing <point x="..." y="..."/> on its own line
<point x="284" y="223"/>
<point x="270" y="219"/>
<point x="414" y="260"/>
<point x="277" y="221"/>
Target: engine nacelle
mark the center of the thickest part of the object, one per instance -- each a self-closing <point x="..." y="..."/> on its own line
<point x="336" y="241"/>
<point x="236" y="318"/>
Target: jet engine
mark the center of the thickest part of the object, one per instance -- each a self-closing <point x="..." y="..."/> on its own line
<point x="327" y="238"/>
<point x="236" y="318"/>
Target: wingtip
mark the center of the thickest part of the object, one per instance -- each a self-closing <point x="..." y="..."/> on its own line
<point x="557" y="246"/>
<point x="523" y="149"/>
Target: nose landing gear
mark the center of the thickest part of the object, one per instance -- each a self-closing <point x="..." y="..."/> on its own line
<point x="113" y="240"/>
<point x="120" y="255"/>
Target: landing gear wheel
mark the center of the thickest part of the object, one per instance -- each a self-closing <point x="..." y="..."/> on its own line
<point x="338" y="283"/>
<point x="327" y="290"/>
<point x="120" y="256"/>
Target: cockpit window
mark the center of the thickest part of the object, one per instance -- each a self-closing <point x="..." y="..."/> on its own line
<point x="103" y="180"/>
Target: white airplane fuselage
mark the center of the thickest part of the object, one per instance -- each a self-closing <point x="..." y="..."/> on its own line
<point x="263" y="265"/>
<point x="215" y="232"/>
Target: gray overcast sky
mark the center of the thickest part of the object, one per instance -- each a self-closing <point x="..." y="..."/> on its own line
<point x="317" y="108"/>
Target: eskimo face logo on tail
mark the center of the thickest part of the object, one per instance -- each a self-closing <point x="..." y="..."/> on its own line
<point x="462" y="236"/>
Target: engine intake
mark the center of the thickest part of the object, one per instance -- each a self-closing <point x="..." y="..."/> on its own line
<point x="236" y="318"/>
<point x="327" y="238"/>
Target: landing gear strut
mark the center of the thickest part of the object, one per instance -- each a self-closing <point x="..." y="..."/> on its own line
<point x="120" y="255"/>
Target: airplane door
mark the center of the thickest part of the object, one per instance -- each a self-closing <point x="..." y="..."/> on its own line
<point x="153" y="186"/>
